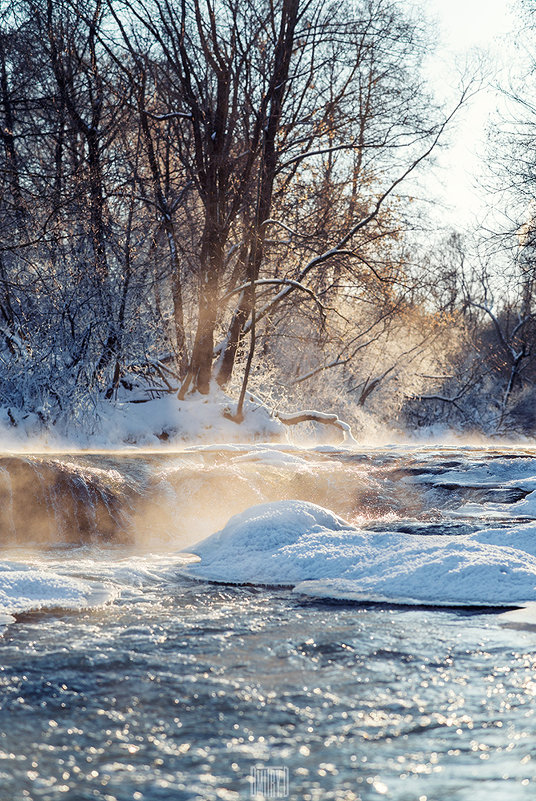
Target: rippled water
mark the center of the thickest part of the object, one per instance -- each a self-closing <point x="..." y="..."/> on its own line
<point x="177" y="688"/>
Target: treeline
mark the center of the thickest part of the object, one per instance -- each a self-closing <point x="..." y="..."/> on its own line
<point x="198" y="194"/>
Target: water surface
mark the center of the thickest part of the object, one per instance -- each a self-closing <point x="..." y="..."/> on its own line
<point x="177" y="688"/>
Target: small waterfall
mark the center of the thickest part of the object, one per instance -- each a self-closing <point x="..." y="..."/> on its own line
<point x="164" y="498"/>
<point x="170" y="499"/>
<point x="58" y="499"/>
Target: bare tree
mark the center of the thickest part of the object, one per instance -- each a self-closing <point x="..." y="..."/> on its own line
<point x="260" y="100"/>
<point x="182" y="177"/>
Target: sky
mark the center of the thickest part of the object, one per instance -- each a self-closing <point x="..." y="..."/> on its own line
<point x="469" y="23"/>
<point x="467" y="29"/>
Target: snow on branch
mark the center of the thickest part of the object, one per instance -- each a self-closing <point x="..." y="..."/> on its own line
<point x="170" y="115"/>
<point x="311" y="415"/>
<point x="271" y="221"/>
<point x="271" y="282"/>
<point x="340" y="248"/>
<point x="346" y="146"/>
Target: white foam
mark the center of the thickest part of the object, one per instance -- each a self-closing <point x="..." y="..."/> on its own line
<point x="498" y="473"/>
<point x="140" y="570"/>
<point x="293" y="543"/>
<point x="485" y="472"/>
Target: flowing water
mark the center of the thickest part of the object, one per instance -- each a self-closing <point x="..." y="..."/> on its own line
<point x="176" y="689"/>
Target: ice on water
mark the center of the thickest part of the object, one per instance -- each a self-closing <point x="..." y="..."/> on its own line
<point x="27" y="589"/>
<point x="300" y="544"/>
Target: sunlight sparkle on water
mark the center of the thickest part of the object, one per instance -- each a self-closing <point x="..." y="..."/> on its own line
<point x="176" y="688"/>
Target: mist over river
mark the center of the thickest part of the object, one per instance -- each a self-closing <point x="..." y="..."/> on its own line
<point x="123" y="676"/>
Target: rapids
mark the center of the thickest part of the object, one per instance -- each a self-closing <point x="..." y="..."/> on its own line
<point x="123" y="678"/>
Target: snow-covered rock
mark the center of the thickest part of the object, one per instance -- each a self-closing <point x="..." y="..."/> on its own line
<point x="293" y="543"/>
<point x="256" y="546"/>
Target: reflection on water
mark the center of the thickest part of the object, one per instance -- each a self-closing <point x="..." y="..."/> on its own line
<point x="178" y="688"/>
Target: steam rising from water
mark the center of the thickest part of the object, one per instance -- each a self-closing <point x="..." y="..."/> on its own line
<point x="168" y="501"/>
<point x="161" y="500"/>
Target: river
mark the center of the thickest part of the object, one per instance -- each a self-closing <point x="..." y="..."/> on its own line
<point x="162" y="687"/>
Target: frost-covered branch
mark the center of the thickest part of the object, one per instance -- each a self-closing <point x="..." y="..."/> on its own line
<point x="485" y="308"/>
<point x="271" y="282"/>
<point x="319" y="152"/>
<point x="170" y="115"/>
<point x="340" y="248"/>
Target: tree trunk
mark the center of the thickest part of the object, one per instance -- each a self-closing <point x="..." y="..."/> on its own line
<point x="268" y="166"/>
<point x="96" y="201"/>
<point x="200" y="368"/>
<point x="169" y="228"/>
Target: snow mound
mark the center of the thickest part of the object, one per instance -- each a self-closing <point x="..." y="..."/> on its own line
<point x="521" y="537"/>
<point x="456" y="574"/>
<point x="293" y="543"/>
<point x="195" y="419"/>
<point x="24" y="589"/>
<point x="256" y="545"/>
<point x="136" y="419"/>
<point x="270" y="456"/>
